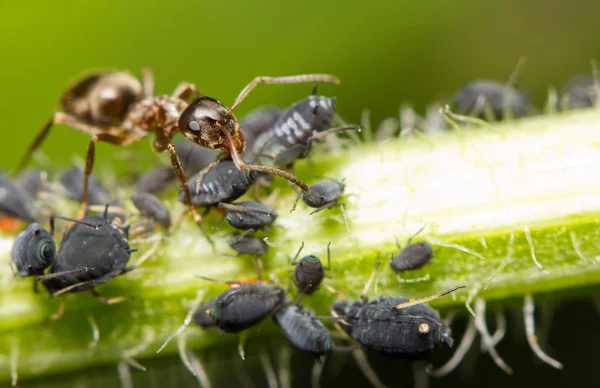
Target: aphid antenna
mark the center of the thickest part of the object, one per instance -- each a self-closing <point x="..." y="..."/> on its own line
<point x="221" y="281"/>
<point x="513" y="79"/>
<point x="270" y="243"/>
<point x="242" y="209"/>
<point x="63" y="273"/>
<point x="465" y="344"/>
<point x="334" y="130"/>
<point x="238" y="237"/>
<point x="294" y="261"/>
<point x="54" y="217"/>
<point x="485" y="336"/>
<point x="339" y="294"/>
<point x="528" y="314"/>
<point x="414" y="235"/>
<point x="413" y="302"/>
<point x="186" y="322"/>
<point x="296" y="202"/>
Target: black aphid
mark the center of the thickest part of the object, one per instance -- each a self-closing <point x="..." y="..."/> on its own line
<point x="15" y="201"/>
<point x="249" y="215"/>
<point x="72" y="181"/>
<point x="193" y="156"/>
<point x="242" y="307"/>
<point x="202" y="316"/>
<point x="412" y="256"/>
<point x="244" y="244"/>
<point x="258" y="122"/>
<point x="156" y="180"/>
<point x="580" y="92"/>
<point x="323" y="195"/>
<point x="309" y="272"/>
<point x="151" y="207"/>
<point x="303" y="330"/>
<point x="33" y="251"/>
<point x="32" y="181"/>
<point x="221" y="183"/>
<point x="103" y="251"/>
<point x="501" y="100"/>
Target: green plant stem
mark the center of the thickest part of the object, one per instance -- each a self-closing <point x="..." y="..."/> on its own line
<point x="523" y="197"/>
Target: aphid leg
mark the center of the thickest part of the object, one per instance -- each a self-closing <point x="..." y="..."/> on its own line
<point x="362" y="362"/>
<point x="186" y="321"/>
<point x="365" y="290"/>
<point x="426" y="299"/>
<point x="105" y="300"/>
<point x="268" y="367"/>
<point x="61" y="310"/>
<point x="294" y="261"/>
<point x="147" y="82"/>
<point x="465" y="344"/>
<point x="528" y="313"/>
<point x="150" y="252"/>
<point x="14" y="362"/>
<point x="181" y="176"/>
<point x="414" y="235"/>
<point x="95" y="332"/>
<point x="296" y="202"/>
<point x="532" y="249"/>
<point x="193" y="363"/>
<point x="328" y="205"/>
<point x="259" y="267"/>
<point x="485" y="336"/>
<point x="186" y="91"/>
<point x="242" y="339"/>
<point x="316" y="372"/>
<point x="293" y="79"/>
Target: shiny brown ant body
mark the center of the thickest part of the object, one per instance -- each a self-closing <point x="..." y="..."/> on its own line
<point x="115" y="107"/>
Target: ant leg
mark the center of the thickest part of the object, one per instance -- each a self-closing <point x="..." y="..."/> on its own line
<point x="35" y="144"/>
<point x="147" y="82"/>
<point x="293" y="79"/>
<point x="105" y="300"/>
<point x="181" y="176"/>
<point x="185" y="90"/>
<point x="89" y="165"/>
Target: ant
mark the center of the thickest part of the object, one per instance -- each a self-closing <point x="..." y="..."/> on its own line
<point x="115" y="107"/>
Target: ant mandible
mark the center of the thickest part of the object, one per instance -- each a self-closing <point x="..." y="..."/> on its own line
<point x="115" y="107"/>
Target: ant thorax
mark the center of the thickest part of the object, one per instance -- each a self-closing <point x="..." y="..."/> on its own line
<point x="155" y="114"/>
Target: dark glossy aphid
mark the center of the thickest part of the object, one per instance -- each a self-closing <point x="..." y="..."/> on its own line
<point x="33" y="251"/>
<point x="156" y="180"/>
<point x="323" y="195"/>
<point x="580" y="92"/>
<point x="303" y="330"/>
<point x="223" y="182"/>
<point x="202" y="315"/>
<point x="242" y="307"/>
<point x="414" y="332"/>
<point x="258" y="122"/>
<point x="244" y="244"/>
<point x="103" y="250"/>
<point x="499" y="99"/>
<point x="16" y="201"/>
<point x="412" y="256"/>
<point x="72" y="181"/>
<point x="309" y="272"/>
<point x="249" y="215"/>
<point x="151" y="207"/>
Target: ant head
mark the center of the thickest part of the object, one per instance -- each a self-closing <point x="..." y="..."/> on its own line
<point x="112" y="96"/>
<point x="210" y="124"/>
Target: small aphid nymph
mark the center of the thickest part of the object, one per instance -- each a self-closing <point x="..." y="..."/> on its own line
<point x="151" y="207"/>
<point x="249" y="215"/>
<point x="309" y="271"/>
<point x="33" y="251"/>
<point x="303" y="330"/>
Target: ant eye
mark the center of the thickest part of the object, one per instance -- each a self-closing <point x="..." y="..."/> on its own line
<point x="194" y="126"/>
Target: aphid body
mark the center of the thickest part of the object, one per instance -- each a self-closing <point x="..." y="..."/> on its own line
<point x="33" y="251"/>
<point x="303" y="330"/>
<point x="414" y="332"/>
<point x="72" y="181"/>
<point x="324" y="194"/>
<point x="15" y="201"/>
<point x="151" y="207"/>
<point x="245" y="244"/>
<point x="249" y="215"/>
<point x="580" y="92"/>
<point x="412" y="256"/>
<point x="242" y="307"/>
<point x="475" y="97"/>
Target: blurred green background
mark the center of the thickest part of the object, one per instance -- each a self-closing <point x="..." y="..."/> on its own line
<point x="385" y="52"/>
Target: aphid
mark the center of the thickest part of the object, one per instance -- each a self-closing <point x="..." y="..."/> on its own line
<point x="309" y="272"/>
<point x="115" y="107"/>
<point x="15" y="201"/>
<point x="32" y="181"/>
<point x="151" y="207"/>
<point x="202" y="315"/>
<point x="249" y="215"/>
<point x="304" y="330"/>
<point x="104" y="251"/>
<point x="72" y="181"/>
<point x="33" y="251"/>
<point x="394" y="326"/>
<point x="155" y="180"/>
<point x="258" y="122"/>
<point x="491" y="100"/>
<point x="223" y="182"/>
<point x="244" y="244"/>
<point x="582" y="91"/>
<point x="412" y="256"/>
<point x="322" y="195"/>
<point x="242" y="307"/>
